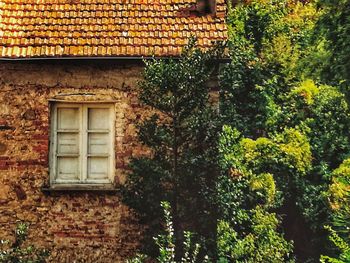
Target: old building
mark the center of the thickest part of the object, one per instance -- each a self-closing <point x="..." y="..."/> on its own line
<point x="68" y="109"/>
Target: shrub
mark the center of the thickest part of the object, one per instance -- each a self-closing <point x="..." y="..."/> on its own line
<point x="166" y="244"/>
<point x="332" y="34"/>
<point x="341" y="245"/>
<point x="17" y="252"/>
<point x="247" y="192"/>
<point x="262" y="243"/>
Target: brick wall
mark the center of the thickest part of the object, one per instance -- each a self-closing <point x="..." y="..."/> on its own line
<point x="77" y="227"/>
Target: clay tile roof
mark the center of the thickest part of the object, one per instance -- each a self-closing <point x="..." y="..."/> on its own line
<point x="102" y="28"/>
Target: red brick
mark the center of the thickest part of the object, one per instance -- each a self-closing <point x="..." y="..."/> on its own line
<point x="40" y="137"/>
<point x="41" y="148"/>
<point x="3" y="122"/>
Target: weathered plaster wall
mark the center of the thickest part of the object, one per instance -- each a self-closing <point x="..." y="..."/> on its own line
<point x="78" y="227"/>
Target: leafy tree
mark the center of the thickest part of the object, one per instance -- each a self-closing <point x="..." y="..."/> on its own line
<point x="264" y="95"/>
<point x="333" y="36"/>
<point x="330" y="64"/>
<point x="182" y="134"/>
<point x="267" y="39"/>
<point x="339" y="202"/>
<point x="251" y="169"/>
<point x="322" y="113"/>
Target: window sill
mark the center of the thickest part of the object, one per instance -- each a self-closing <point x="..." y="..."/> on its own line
<point x="94" y="188"/>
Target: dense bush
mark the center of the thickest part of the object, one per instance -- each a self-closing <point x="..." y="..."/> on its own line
<point x="322" y="114"/>
<point x="248" y="230"/>
<point x="331" y="59"/>
<point x="339" y="201"/>
<point x="332" y="36"/>
<point x="264" y="93"/>
<point x="262" y="243"/>
<point x="267" y="40"/>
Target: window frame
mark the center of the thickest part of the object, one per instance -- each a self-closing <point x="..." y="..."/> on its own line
<point x="83" y="134"/>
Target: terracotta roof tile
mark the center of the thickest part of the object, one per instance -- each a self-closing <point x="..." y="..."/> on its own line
<point x="89" y="28"/>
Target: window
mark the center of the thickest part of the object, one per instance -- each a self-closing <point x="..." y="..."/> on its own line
<point x="82" y="144"/>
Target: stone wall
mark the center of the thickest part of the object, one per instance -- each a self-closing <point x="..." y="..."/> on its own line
<point x="76" y="226"/>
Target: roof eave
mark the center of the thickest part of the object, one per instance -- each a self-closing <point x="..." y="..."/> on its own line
<point x="132" y="58"/>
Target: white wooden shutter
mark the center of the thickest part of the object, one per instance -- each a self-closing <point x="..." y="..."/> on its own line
<point x="67" y="145"/>
<point x="99" y="144"/>
<point x="82" y="143"/>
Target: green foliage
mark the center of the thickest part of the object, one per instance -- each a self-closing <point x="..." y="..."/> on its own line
<point x="305" y="93"/>
<point x="325" y="113"/>
<point x="262" y="244"/>
<point x="339" y="190"/>
<point x="339" y="201"/>
<point x="283" y="135"/>
<point x="266" y="47"/>
<point x="330" y="125"/>
<point x="18" y="252"/>
<point x="166" y="244"/>
<point x="285" y="157"/>
<point x="333" y="32"/>
<point x="248" y="231"/>
<point x="331" y="59"/>
<point x="182" y="135"/>
<point x="322" y="113"/>
<point x="344" y="248"/>
<point x="291" y="129"/>
<point x="139" y="258"/>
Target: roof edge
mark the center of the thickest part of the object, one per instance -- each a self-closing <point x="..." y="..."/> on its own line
<point x="133" y="58"/>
